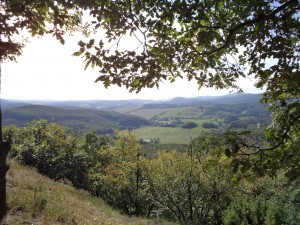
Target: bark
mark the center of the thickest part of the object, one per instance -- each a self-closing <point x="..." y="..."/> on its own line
<point x="4" y="149"/>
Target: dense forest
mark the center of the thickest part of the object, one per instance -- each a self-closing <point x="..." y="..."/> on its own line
<point x="197" y="186"/>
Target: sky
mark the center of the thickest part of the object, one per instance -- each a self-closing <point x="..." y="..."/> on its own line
<point x="47" y="71"/>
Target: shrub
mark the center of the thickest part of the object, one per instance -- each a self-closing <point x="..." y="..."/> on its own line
<point x="189" y="125"/>
<point x="210" y="125"/>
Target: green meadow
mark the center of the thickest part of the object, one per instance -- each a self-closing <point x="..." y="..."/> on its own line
<point x="168" y="135"/>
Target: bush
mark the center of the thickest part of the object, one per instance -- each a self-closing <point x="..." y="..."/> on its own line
<point x="189" y="125"/>
<point x="255" y="211"/>
<point x="210" y="125"/>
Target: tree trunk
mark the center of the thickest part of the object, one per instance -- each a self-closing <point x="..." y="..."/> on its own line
<point x="4" y="149"/>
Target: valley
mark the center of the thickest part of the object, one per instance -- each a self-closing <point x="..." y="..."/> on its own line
<point x="174" y="121"/>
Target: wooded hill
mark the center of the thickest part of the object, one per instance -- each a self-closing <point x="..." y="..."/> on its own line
<point x="111" y="104"/>
<point x="80" y="120"/>
<point x="172" y="120"/>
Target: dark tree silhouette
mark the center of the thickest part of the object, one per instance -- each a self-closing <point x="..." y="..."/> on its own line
<point x="32" y="17"/>
<point x="4" y="146"/>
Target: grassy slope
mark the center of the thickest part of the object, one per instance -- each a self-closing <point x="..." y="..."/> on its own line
<point x="168" y="135"/>
<point x="138" y="111"/>
<point x="148" y="113"/>
<point x="34" y="199"/>
<point x="249" y="114"/>
<point x="176" y="135"/>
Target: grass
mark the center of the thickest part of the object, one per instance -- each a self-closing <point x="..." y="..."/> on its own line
<point x="177" y="135"/>
<point x="168" y="135"/>
<point x="127" y="109"/>
<point x="137" y="111"/>
<point x="182" y="112"/>
<point x="35" y="199"/>
<point x="149" y="113"/>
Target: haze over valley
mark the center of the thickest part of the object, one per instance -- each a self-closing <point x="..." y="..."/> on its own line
<point x="175" y="120"/>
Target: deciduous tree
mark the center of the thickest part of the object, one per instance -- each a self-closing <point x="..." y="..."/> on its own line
<point x="118" y="175"/>
<point x="36" y="18"/>
<point x="214" y="42"/>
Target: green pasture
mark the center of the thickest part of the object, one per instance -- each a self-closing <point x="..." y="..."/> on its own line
<point x="168" y="135"/>
<point x="175" y="116"/>
<point x="182" y="112"/>
<point x="148" y="113"/>
<point x="127" y="109"/>
<point x="190" y="112"/>
<point x="200" y="122"/>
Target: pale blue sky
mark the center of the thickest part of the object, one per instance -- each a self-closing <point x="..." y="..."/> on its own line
<point x="47" y="71"/>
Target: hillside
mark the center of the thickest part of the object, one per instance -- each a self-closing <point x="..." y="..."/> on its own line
<point x="34" y="199"/>
<point x="80" y="120"/>
<point x="171" y="121"/>
<point x="111" y="104"/>
<point x="178" y="123"/>
<point x="235" y="98"/>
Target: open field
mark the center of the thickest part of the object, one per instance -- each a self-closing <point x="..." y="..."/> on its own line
<point x="168" y="135"/>
<point x="182" y="112"/>
<point x="174" y="121"/>
<point x="169" y="126"/>
<point x="140" y="111"/>
<point x="148" y="113"/>
<point x="126" y="110"/>
<point x="189" y="112"/>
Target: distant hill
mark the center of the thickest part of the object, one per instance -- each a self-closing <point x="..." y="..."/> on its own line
<point x="99" y="104"/>
<point x="81" y="120"/>
<point x="6" y="104"/>
<point x="230" y="99"/>
<point x="150" y="119"/>
<point x="111" y="104"/>
<point x="235" y="98"/>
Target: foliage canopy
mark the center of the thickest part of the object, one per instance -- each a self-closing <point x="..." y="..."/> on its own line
<point x="194" y="187"/>
<point x="38" y="18"/>
<point x="213" y="42"/>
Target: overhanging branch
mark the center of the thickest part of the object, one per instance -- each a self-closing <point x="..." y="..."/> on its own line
<point x="232" y="32"/>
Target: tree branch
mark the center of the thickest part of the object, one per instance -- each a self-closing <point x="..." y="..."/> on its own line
<point x="284" y="137"/>
<point x="232" y="31"/>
